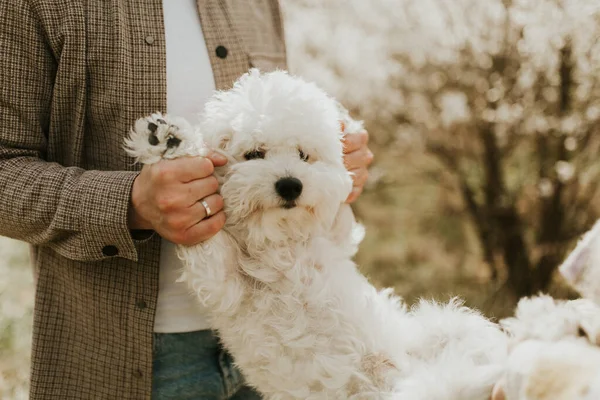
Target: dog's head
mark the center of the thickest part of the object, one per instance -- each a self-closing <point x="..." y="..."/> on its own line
<point x="286" y="176"/>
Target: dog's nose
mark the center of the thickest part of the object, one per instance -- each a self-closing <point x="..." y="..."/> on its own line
<point x="289" y="188"/>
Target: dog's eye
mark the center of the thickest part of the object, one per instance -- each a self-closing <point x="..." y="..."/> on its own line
<point x="303" y="156"/>
<point x="253" y="155"/>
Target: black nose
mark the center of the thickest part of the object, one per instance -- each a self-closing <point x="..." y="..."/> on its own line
<point x="289" y="188"/>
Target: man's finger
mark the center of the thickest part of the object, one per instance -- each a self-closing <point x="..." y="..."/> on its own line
<point x="198" y="211"/>
<point x="498" y="393"/>
<point x="360" y="158"/>
<point x="204" y="229"/>
<point x="217" y="159"/>
<point x="187" y="169"/>
<point x="354" y="141"/>
<point x="356" y="191"/>
<point x="359" y="176"/>
<point x="200" y="188"/>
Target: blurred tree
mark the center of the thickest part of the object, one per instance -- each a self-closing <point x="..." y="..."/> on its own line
<point x="505" y="94"/>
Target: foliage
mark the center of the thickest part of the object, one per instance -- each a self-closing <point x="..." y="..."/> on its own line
<point x="503" y="94"/>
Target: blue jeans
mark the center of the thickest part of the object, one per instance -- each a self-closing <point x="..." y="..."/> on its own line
<point x="194" y="366"/>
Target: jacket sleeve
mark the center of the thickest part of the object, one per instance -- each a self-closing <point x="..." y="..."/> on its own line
<point x="80" y="214"/>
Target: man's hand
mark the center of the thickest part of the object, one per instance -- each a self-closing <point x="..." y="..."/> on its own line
<point x="498" y="393"/>
<point x="166" y="198"/>
<point x="357" y="158"/>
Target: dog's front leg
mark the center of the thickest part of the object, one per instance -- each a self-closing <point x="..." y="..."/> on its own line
<point x="210" y="268"/>
<point x="212" y="273"/>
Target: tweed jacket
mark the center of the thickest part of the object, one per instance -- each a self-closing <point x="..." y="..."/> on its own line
<point x="74" y="75"/>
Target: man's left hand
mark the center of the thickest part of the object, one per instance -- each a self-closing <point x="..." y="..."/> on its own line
<point x="357" y="158"/>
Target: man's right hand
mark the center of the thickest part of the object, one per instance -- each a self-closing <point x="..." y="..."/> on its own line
<point x="166" y="198"/>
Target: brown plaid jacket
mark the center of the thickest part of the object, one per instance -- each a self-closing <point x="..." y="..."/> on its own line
<point x="74" y="75"/>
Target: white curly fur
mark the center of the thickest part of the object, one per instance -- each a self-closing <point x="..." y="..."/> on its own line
<point x="547" y="319"/>
<point x="280" y="284"/>
<point x="582" y="268"/>
<point x="552" y="370"/>
<point x="554" y="353"/>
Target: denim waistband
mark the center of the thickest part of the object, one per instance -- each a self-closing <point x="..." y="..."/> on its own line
<point x="193" y="365"/>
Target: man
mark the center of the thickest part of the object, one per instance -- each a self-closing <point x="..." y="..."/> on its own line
<point x="74" y="75"/>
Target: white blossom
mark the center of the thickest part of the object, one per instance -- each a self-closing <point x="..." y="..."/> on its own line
<point x="571" y="143"/>
<point x="564" y="170"/>
<point x="389" y="57"/>
<point x="454" y="108"/>
<point x="546" y="187"/>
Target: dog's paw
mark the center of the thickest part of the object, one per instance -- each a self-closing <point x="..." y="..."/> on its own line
<point x="159" y="136"/>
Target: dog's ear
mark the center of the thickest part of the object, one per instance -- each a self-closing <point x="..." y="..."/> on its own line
<point x="223" y="142"/>
<point x="217" y="137"/>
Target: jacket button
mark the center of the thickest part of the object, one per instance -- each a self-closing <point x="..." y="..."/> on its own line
<point x="141" y="304"/>
<point x="138" y="373"/>
<point x="222" y="51"/>
<point x="110" y="250"/>
<point x="149" y="39"/>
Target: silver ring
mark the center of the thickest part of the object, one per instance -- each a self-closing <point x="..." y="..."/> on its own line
<point x="207" y="208"/>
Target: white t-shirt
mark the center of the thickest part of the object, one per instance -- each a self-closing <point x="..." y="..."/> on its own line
<point x="190" y="83"/>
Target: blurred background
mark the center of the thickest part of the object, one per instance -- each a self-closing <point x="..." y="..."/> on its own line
<point x="483" y="117"/>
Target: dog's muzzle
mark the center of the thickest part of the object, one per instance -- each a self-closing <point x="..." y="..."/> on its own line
<point x="289" y="189"/>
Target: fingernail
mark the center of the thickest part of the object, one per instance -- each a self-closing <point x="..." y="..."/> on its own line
<point x="219" y="158"/>
<point x="351" y="197"/>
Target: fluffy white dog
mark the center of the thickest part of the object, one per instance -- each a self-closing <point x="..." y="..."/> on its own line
<point x="555" y="353"/>
<point x="582" y="268"/>
<point x="279" y="280"/>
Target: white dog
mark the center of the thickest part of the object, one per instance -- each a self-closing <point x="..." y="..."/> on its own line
<point x="279" y="280"/>
<point x="582" y="268"/>
<point x="555" y="353"/>
<point x="555" y="345"/>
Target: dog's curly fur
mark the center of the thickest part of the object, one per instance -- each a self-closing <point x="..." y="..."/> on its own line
<point x="279" y="281"/>
<point x="582" y="268"/>
<point x="554" y="344"/>
<point x="554" y="353"/>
